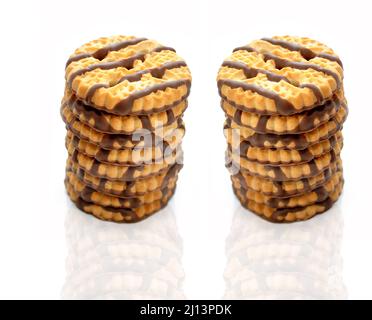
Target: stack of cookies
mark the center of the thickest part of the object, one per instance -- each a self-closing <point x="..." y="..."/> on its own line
<point x="284" y="103"/>
<point x="123" y="106"/>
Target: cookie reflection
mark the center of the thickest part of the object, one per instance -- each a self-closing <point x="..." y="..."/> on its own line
<point x="290" y="261"/>
<point x="118" y="261"/>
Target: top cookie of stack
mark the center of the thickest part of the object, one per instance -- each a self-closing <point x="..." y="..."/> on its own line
<point x="284" y="102"/>
<point x="120" y="91"/>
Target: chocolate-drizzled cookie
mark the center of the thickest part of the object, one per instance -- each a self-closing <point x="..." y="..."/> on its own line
<point x="280" y="76"/>
<point x="120" y="215"/>
<point x="127" y="75"/>
<point x="137" y="187"/>
<point x="290" y="214"/>
<point x="298" y="123"/>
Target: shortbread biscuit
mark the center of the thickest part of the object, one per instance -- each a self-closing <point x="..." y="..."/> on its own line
<point x="284" y="189"/>
<point x="318" y="194"/>
<point x="268" y="77"/>
<point x="123" y="173"/>
<point x="125" y="188"/>
<point x="128" y="157"/>
<point x="119" y="215"/>
<point x="90" y="195"/>
<point x="284" y="173"/>
<point x="124" y="75"/>
<point x="278" y="157"/>
<point x="298" y="123"/>
<point x="141" y="139"/>
<point x="107" y="123"/>
<point x="288" y="141"/>
<point x="290" y="214"/>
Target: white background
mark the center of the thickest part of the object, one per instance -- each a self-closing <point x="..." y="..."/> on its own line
<point x="37" y="38"/>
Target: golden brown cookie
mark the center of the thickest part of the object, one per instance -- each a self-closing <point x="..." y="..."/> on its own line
<point x="123" y="173"/>
<point x="142" y="138"/>
<point x="288" y="141"/>
<point x="298" y="123"/>
<point x="290" y="214"/>
<point x="119" y="215"/>
<point x="127" y="157"/>
<point x="279" y="157"/>
<point x="287" y="172"/>
<point x="284" y="189"/>
<point x="127" y="75"/>
<point x="318" y="194"/>
<point x="107" y="123"/>
<point x="268" y="77"/>
<point x="90" y="195"/>
<point x="125" y="188"/>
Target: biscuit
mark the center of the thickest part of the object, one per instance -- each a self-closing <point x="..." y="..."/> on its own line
<point x="277" y="157"/>
<point x="290" y="214"/>
<point x="119" y="215"/>
<point x="107" y="123"/>
<point x="124" y="188"/>
<point x="123" y="173"/>
<point x="141" y="139"/>
<point x="318" y="194"/>
<point x="128" y="157"/>
<point x="90" y="195"/>
<point x="124" y="75"/>
<point x="298" y="123"/>
<point x="280" y="76"/>
<point x="284" y="173"/>
<point x="289" y="141"/>
<point x="284" y="189"/>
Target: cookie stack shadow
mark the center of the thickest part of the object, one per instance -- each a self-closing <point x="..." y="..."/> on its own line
<point x="123" y="106"/>
<point x="285" y="107"/>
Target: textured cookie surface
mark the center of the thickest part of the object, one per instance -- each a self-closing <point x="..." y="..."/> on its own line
<point x="288" y="141"/>
<point x="127" y="75"/>
<point x="108" y="123"/>
<point x="298" y="123"/>
<point x="284" y="189"/>
<point x="281" y="75"/>
<point x="290" y="214"/>
<point x="124" y="188"/>
<point x="119" y="215"/>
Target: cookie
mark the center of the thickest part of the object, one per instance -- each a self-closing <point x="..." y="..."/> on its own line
<point x="288" y="141"/>
<point x="125" y="188"/>
<point x="284" y="173"/>
<point x="90" y="195"/>
<point x="268" y="77"/>
<point x="290" y="214"/>
<point x="128" y="75"/>
<point x="298" y="123"/>
<point x="119" y="215"/>
<point x="123" y="173"/>
<point x="127" y="157"/>
<point x="318" y="194"/>
<point x="278" y="157"/>
<point x="142" y="138"/>
<point x="284" y="189"/>
<point x="107" y="123"/>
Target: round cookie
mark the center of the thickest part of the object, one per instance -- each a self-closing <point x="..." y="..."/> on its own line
<point x="90" y="195"/>
<point x="284" y="189"/>
<point x="119" y="215"/>
<point x="127" y="157"/>
<point x="125" y="188"/>
<point x="290" y="214"/>
<point x="127" y="75"/>
<point x="279" y="157"/>
<point x="288" y="141"/>
<point x="298" y="123"/>
<point x="318" y="194"/>
<point x="283" y="76"/>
